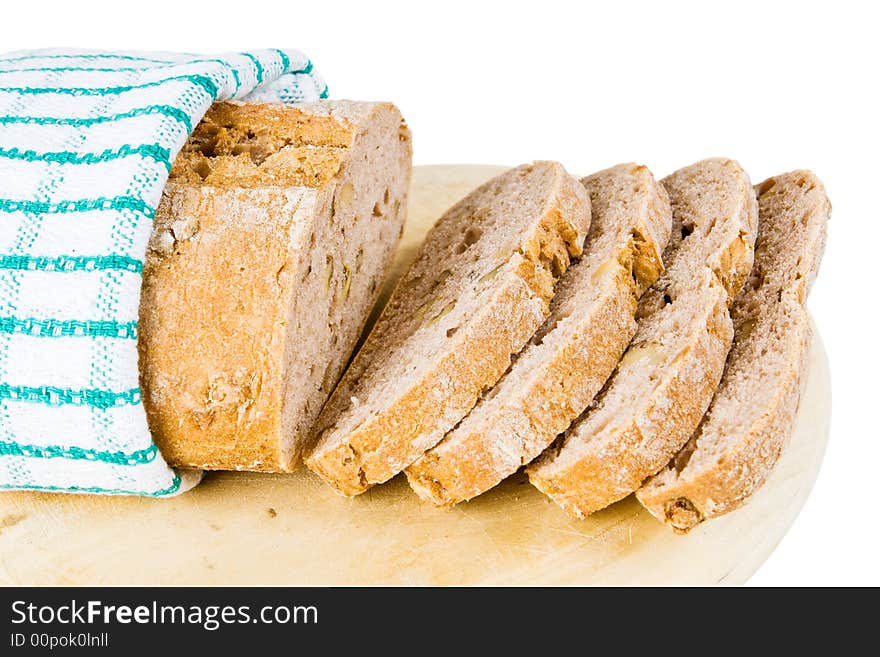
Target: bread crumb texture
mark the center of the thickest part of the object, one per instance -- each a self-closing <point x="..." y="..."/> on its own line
<point x="479" y="288"/>
<point x="556" y="375"/>
<point x="665" y="380"/>
<point x="754" y="408"/>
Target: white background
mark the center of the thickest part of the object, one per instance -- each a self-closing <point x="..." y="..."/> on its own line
<point x="775" y="85"/>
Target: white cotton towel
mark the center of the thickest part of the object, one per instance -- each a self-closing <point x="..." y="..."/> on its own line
<point x="86" y="143"/>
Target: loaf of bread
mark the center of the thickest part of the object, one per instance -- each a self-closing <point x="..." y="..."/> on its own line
<point x="754" y="409"/>
<point x="478" y="290"/>
<point x="272" y="239"/>
<point x="554" y="378"/>
<point x="666" y="379"/>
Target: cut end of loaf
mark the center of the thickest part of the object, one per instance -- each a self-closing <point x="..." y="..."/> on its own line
<point x="568" y="359"/>
<point x="236" y="380"/>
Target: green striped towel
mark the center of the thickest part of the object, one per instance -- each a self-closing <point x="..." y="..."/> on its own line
<point x="86" y="143"/>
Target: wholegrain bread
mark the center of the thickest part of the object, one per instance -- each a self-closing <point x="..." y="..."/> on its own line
<point x="753" y="411"/>
<point x="554" y="378"/>
<point x="665" y="380"/>
<point x="478" y="290"/>
<point x="272" y="238"/>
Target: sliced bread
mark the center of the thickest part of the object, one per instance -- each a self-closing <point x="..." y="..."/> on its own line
<point x="665" y="380"/>
<point x="554" y="378"/>
<point x="478" y="290"/>
<point x="273" y="236"/>
<point x="753" y="411"/>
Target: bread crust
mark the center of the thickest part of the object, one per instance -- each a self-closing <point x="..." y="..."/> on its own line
<point x="753" y="412"/>
<point x="594" y="322"/>
<point x="677" y="357"/>
<point x="214" y="402"/>
<point x="403" y="428"/>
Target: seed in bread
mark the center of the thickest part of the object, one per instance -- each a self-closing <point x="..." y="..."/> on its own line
<point x="478" y="290"/>
<point x="554" y="378"/>
<point x="665" y="380"/>
<point x="270" y="244"/>
<point x="753" y="411"/>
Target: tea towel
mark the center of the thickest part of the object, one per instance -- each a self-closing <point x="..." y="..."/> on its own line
<point x="86" y="144"/>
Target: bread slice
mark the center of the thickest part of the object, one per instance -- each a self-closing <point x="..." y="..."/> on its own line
<point x="554" y="378"/>
<point x="754" y="409"/>
<point x="478" y="290"/>
<point x="666" y="378"/>
<point x="271" y="241"/>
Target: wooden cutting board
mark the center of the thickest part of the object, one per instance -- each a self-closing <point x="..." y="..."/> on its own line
<point x="243" y="528"/>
